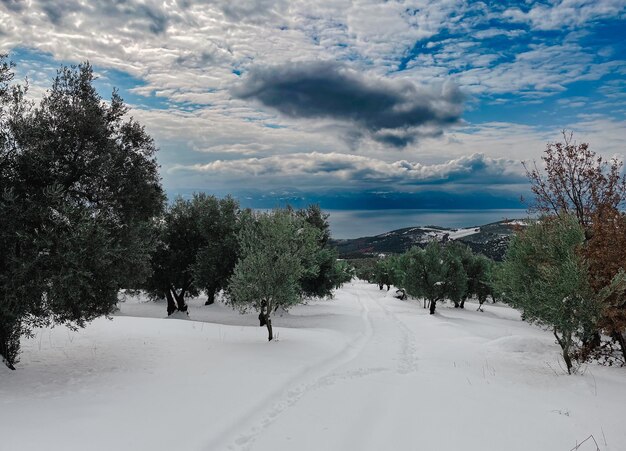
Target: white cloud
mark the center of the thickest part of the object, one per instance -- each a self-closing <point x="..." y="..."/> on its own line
<point x="349" y="171"/>
<point x="567" y="13"/>
<point x="188" y="51"/>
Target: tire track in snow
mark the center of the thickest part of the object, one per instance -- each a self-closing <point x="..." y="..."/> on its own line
<point x="408" y="349"/>
<point x="406" y="363"/>
<point x="325" y="374"/>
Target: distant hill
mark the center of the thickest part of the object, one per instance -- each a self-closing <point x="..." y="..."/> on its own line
<point x="490" y="240"/>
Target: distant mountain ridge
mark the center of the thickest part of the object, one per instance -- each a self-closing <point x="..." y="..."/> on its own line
<point x="490" y="240"/>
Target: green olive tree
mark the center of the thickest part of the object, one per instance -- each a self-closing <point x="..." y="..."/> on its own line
<point x="79" y="193"/>
<point x="544" y="276"/>
<point x="276" y="252"/>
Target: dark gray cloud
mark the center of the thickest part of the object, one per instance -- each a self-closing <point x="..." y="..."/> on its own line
<point x="392" y="111"/>
<point x="14" y="5"/>
<point x="56" y="13"/>
<point x="255" y="11"/>
<point x="130" y="12"/>
<point x="196" y="60"/>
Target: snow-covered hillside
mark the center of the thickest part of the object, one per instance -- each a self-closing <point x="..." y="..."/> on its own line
<point x="489" y="239"/>
<point x="425" y="235"/>
<point x="364" y="371"/>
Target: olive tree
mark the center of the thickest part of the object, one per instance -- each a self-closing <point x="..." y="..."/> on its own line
<point x="545" y="277"/>
<point x="276" y="253"/>
<point x="79" y="193"/>
<point x="331" y="273"/>
<point x="434" y="274"/>
<point x="477" y="268"/>
<point x="196" y="252"/>
<point x="383" y="272"/>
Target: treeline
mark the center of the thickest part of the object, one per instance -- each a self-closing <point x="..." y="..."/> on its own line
<point x="438" y="272"/>
<point x="565" y="270"/>
<point x="83" y="215"/>
<point x="262" y="261"/>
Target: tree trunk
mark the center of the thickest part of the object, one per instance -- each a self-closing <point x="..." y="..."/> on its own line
<point x="380" y="285"/>
<point x="180" y="301"/>
<point x="175" y="301"/>
<point x="210" y="293"/>
<point x="425" y="302"/>
<point x="6" y="354"/>
<point x="456" y="304"/>
<point x="619" y="337"/>
<point x="388" y="286"/>
<point x="433" y="305"/>
<point x="268" y="323"/>
<point x="268" y="320"/>
<point x="171" y="305"/>
<point x="568" y="361"/>
<point x="590" y="343"/>
<point x="9" y="342"/>
<point x="564" y="343"/>
<point x="462" y="305"/>
<point x="7" y="363"/>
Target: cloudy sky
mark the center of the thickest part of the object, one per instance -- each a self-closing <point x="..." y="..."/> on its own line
<point x="356" y="104"/>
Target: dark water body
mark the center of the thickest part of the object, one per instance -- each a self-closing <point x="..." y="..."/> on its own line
<point x="358" y="223"/>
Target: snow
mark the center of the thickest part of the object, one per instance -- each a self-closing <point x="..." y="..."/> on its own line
<point x="435" y="233"/>
<point x="364" y="371"/>
<point x="517" y="222"/>
<point x="452" y="234"/>
<point x="179" y="315"/>
<point x="461" y="233"/>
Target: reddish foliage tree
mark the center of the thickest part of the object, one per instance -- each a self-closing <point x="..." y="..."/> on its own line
<point x="606" y="256"/>
<point x="576" y="181"/>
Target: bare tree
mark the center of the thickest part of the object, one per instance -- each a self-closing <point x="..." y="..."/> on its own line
<point x="577" y="182"/>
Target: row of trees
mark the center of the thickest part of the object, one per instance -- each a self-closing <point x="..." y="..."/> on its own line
<point x="262" y="261"/>
<point x="83" y="216"/>
<point x="438" y="272"/>
<point x="567" y="270"/>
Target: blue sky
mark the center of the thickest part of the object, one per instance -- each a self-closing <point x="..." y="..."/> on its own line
<point x="353" y="104"/>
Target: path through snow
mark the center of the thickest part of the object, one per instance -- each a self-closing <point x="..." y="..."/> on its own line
<point x="362" y="372"/>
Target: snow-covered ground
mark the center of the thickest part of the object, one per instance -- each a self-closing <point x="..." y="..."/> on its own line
<point x="439" y="234"/>
<point x="364" y="371"/>
<point x="461" y="233"/>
